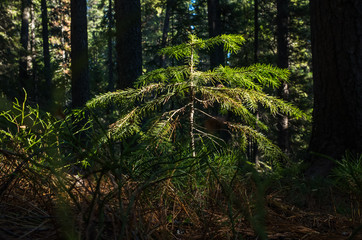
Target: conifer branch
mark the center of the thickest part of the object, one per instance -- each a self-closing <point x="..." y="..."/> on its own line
<point x="164" y="95"/>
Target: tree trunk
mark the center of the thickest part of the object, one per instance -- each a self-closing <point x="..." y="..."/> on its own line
<point x="166" y="29"/>
<point x="256" y="31"/>
<point x="66" y="58"/>
<point x="214" y="16"/>
<point x="253" y="145"/>
<point x="110" y="47"/>
<point x="337" y="73"/>
<point x="129" y="42"/>
<point x="282" y="62"/>
<point x="32" y="58"/>
<point x="79" y="53"/>
<point x="46" y="53"/>
<point x="24" y="41"/>
<point x="192" y="106"/>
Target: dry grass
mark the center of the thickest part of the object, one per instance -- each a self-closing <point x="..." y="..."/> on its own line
<point x="39" y="205"/>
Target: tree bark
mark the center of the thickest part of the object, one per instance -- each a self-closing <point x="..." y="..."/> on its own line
<point x="337" y="73"/>
<point x="256" y="31"/>
<point x="24" y="41"/>
<point x="46" y="52"/>
<point x="282" y="62"/>
<point x="79" y="53"/>
<point x="110" y="47"/>
<point x="166" y="29"/>
<point x="214" y="17"/>
<point x="253" y="145"/>
<point x="65" y="39"/>
<point x="192" y="106"/>
<point x="129" y="42"/>
<point x="32" y="58"/>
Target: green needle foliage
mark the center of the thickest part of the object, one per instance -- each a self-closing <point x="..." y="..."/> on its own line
<point x="169" y="106"/>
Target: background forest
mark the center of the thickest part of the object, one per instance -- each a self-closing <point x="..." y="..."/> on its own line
<point x="173" y="119"/>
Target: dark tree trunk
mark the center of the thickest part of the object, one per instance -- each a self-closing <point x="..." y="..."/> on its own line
<point x="256" y="31"/>
<point x="282" y="62"/>
<point x="166" y="29"/>
<point x="46" y="53"/>
<point x="214" y="16"/>
<point x="254" y="151"/>
<point x="337" y="72"/>
<point x="34" y="71"/>
<point x="110" y="47"/>
<point x="24" y="41"/>
<point x="79" y="53"/>
<point x="129" y="42"/>
<point x="60" y="92"/>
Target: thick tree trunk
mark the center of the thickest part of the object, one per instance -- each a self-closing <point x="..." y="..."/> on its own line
<point x="256" y="31"/>
<point x="110" y="47"/>
<point x="282" y="62"/>
<point x="253" y="145"/>
<point x="166" y="29"/>
<point x="79" y="53"/>
<point x="60" y="92"/>
<point x="214" y="16"/>
<point x="337" y="72"/>
<point x="32" y="58"/>
<point x="46" y="52"/>
<point x="24" y="41"/>
<point x="129" y="42"/>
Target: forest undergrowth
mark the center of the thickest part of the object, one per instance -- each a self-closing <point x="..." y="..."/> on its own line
<point x="143" y="163"/>
<point x="58" y="183"/>
<point x="41" y="204"/>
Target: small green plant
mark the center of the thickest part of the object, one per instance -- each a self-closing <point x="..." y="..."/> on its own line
<point x="169" y="105"/>
<point x="26" y="130"/>
<point x="348" y="173"/>
<point x="37" y="153"/>
<point x="349" y="170"/>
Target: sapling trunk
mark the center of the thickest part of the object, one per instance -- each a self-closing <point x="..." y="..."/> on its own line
<point x="192" y="113"/>
<point x="192" y="105"/>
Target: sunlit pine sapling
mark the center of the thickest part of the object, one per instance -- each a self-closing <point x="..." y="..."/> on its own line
<point x="173" y="99"/>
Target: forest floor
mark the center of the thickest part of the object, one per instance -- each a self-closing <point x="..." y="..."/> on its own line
<point x="24" y="220"/>
<point x="29" y="214"/>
